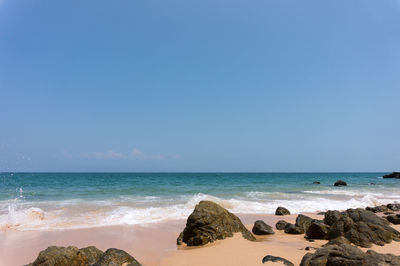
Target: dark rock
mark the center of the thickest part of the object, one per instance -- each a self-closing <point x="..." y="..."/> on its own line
<point x="394" y="206"/>
<point x="209" y="222"/>
<point x="280" y="225"/>
<point x="392" y="175"/>
<point x="338" y="241"/>
<point x="394" y="219"/>
<point x="372" y="183"/>
<point x="282" y="211"/>
<point x="316" y="182"/>
<point x="261" y="228"/>
<point x="388" y="213"/>
<point x="376" y="209"/>
<point x="89" y="256"/>
<point x="317" y="230"/>
<point x="340" y="183"/>
<point x="277" y="259"/>
<point x="360" y="227"/>
<point x="321" y="213"/>
<point x="293" y="229"/>
<point x="303" y="221"/>
<point x="116" y="257"/>
<point x="309" y="248"/>
<point x="347" y="255"/>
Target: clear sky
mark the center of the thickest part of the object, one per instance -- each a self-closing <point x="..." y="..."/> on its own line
<point x="211" y="85"/>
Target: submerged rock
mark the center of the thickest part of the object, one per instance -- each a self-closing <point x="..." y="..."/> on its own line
<point x="276" y="259"/>
<point x="261" y="228"/>
<point x="392" y="175"/>
<point x="345" y="254"/>
<point x="280" y="225"/>
<point x="89" y="256"/>
<point x="316" y="182"/>
<point x="340" y="183"/>
<point x="209" y="222"/>
<point x="360" y="227"/>
<point x="282" y="211"/>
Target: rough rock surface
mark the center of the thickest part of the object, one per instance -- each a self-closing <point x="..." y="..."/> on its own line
<point x="293" y="229"/>
<point x="280" y="225"/>
<point x="340" y="183"/>
<point x="347" y="255"/>
<point x="394" y="206"/>
<point x="261" y="228"/>
<point x="89" y="256"/>
<point x="394" y="219"/>
<point x="360" y="227"/>
<point x="392" y="175"/>
<point x="209" y="222"/>
<point x="317" y="230"/>
<point x="116" y="257"/>
<point x="277" y="259"/>
<point x="282" y="211"/>
<point x="381" y="208"/>
<point x="303" y="221"/>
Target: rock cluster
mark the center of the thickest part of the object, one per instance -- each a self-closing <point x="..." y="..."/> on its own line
<point x="345" y="254"/>
<point x="89" y="256"/>
<point x="209" y="222"/>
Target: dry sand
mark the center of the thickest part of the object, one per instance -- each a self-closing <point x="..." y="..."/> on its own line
<point x="155" y="244"/>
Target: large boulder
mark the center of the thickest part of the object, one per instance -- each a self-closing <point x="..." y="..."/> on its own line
<point x="261" y="228"/>
<point x="282" y="211"/>
<point x="360" y="227"/>
<point x="392" y="175"/>
<point x="293" y="229"/>
<point x="339" y="183"/>
<point x="300" y="227"/>
<point x="347" y="255"/>
<point x="89" y="256"/>
<point x="209" y="222"/>
<point x="116" y="257"/>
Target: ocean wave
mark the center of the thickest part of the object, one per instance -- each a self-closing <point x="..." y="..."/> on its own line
<point x="83" y="214"/>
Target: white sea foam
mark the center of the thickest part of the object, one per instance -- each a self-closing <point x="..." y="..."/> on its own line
<point x="22" y="215"/>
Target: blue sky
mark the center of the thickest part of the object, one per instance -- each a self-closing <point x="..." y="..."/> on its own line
<point x="211" y="85"/>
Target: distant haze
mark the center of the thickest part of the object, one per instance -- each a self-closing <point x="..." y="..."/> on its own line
<point x="200" y="85"/>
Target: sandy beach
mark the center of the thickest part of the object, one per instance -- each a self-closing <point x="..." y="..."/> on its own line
<point x="155" y="244"/>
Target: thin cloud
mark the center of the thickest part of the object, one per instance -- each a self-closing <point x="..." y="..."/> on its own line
<point x="134" y="154"/>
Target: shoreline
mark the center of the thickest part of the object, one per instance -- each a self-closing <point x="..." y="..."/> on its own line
<point x="155" y="244"/>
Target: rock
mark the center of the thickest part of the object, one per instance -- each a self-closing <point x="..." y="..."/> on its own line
<point x="376" y="209"/>
<point x="317" y="230"/>
<point x="92" y="254"/>
<point x="209" y="222"/>
<point x="261" y="228"/>
<point x="316" y="182"/>
<point x="388" y="213"/>
<point x="394" y="219"/>
<point x="280" y="225"/>
<point x="372" y="184"/>
<point x="309" y="248"/>
<point x="303" y="221"/>
<point x="347" y="255"/>
<point x="277" y="259"/>
<point x="89" y="256"/>
<point x="360" y="227"/>
<point x="338" y="241"/>
<point x="392" y="175"/>
<point x="116" y="257"/>
<point x="340" y="183"/>
<point x="282" y="211"/>
<point x="293" y="229"/>
<point x="394" y="206"/>
<point x="60" y="256"/>
<point x="321" y="213"/>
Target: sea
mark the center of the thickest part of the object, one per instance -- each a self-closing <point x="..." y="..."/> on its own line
<point x="53" y="201"/>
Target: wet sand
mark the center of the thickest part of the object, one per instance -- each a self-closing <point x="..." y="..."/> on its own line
<point x="155" y="244"/>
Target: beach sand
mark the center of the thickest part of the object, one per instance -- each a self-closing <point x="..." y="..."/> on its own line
<point x="155" y="244"/>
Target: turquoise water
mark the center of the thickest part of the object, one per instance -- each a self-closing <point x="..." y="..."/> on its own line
<point x="59" y="200"/>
